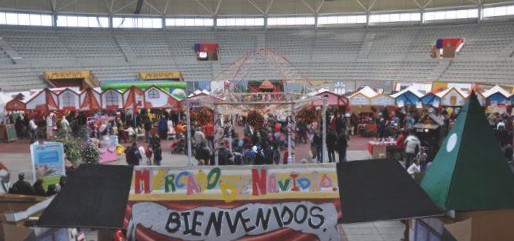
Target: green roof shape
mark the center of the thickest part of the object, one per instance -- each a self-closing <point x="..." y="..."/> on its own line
<point x="470" y="172"/>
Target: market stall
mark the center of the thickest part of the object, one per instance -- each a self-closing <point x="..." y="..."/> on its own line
<point x="157" y="98"/>
<point x="452" y="97"/>
<point x="360" y="101"/>
<point x="45" y="100"/>
<point x="90" y="99"/>
<point x="133" y="98"/>
<point x="112" y="99"/>
<point x="431" y="99"/>
<point x="496" y="96"/>
<point x="68" y="100"/>
<point x="408" y="97"/>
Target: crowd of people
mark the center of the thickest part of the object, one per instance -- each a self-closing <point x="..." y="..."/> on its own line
<point x="23" y="187"/>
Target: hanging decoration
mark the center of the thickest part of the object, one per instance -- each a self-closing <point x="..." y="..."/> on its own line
<point x="255" y="119"/>
<point x="309" y="115"/>
<point x="202" y="117"/>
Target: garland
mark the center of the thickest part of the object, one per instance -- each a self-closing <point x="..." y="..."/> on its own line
<point x="202" y="117"/>
<point x="255" y="119"/>
<point x="309" y="115"/>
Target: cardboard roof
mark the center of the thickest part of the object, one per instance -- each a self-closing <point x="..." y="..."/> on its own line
<point x="372" y="190"/>
<point x="494" y="90"/>
<point x="366" y="91"/>
<point x="445" y="92"/>
<point x="95" y="196"/>
<point x="409" y="89"/>
<point x="470" y="171"/>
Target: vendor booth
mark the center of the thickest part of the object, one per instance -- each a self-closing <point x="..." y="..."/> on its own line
<point x="496" y="96"/>
<point x="382" y="100"/>
<point x="431" y="99"/>
<point x="452" y="97"/>
<point x="430" y="132"/>
<point x="112" y="99"/>
<point x="408" y="97"/>
<point x="133" y="98"/>
<point x="157" y="98"/>
<point x="360" y="101"/>
<point x="82" y="79"/>
<point x="45" y="100"/>
<point x="91" y="100"/>
<point x="68" y="100"/>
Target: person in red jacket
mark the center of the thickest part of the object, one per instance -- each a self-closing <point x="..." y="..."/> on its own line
<point x="208" y="130"/>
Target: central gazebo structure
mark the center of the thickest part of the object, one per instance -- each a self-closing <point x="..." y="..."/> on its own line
<point x="279" y="104"/>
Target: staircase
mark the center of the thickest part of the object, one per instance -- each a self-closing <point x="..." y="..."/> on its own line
<point x="439" y="69"/>
<point x="9" y="51"/>
<point x="507" y="52"/>
<point x="125" y="48"/>
<point x="366" y="46"/>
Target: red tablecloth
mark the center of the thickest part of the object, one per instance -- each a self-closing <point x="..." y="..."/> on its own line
<point x="372" y="144"/>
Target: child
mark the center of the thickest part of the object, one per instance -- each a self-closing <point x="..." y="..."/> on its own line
<point x="149" y="154"/>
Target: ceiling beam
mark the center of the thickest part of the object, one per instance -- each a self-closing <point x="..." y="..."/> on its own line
<point x="268" y="8"/>
<point x="218" y="7"/>
<point x="417" y="4"/>
<point x="152" y="6"/>
<point x="139" y="6"/>
<point x="165" y="7"/>
<point x="53" y="5"/>
<point x="65" y="5"/>
<point x="255" y="6"/>
<point x="427" y="3"/>
<point x="371" y="5"/>
<point x="319" y="6"/>
<point x="108" y="6"/>
<point x="308" y="6"/>
<point x="204" y="7"/>
<point x="125" y="6"/>
<point x="362" y="5"/>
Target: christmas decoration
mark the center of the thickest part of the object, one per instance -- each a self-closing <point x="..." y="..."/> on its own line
<point x="255" y="119"/>
<point x="202" y="117"/>
<point x="309" y="115"/>
<point x="90" y="154"/>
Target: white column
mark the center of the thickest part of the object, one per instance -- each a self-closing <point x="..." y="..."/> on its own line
<point x="324" y="121"/>
<point x="217" y="122"/>
<point x="291" y="126"/>
<point x="188" y="129"/>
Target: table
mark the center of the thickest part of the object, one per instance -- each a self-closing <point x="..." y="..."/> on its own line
<point x="375" y="148"/>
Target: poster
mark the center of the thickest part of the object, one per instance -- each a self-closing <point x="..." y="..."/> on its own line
<point x="47" y="162"/>
<point x="234" y="202"/>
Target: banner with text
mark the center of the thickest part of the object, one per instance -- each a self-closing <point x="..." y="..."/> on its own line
<point x="230" y="203"/>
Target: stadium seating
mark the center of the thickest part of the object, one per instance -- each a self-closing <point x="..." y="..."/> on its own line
<point x="380" y="54"/>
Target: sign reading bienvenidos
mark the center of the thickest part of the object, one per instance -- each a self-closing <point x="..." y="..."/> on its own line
<point x="229" y="203"/>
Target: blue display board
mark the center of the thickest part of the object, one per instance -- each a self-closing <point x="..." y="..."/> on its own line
<point x="47" y="162"/>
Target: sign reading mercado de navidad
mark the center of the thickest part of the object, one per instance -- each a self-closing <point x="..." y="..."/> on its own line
<point x="229" y="203"/>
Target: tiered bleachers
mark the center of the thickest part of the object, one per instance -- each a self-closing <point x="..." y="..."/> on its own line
<point x="353" y="54"/>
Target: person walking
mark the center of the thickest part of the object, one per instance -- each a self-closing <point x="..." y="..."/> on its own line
<point x="331" y="145"/>
<point x="412" y="146"/>
<point x="33" y="129"/>
<point x="163" y="127"/>
<point x="148" y="128"/>
<point x="342" y="145"/>
<point x="155" y="143"/>
<point x="133" y="155"/>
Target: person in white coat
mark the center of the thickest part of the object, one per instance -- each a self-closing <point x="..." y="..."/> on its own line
<point x="412" y="146"/>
